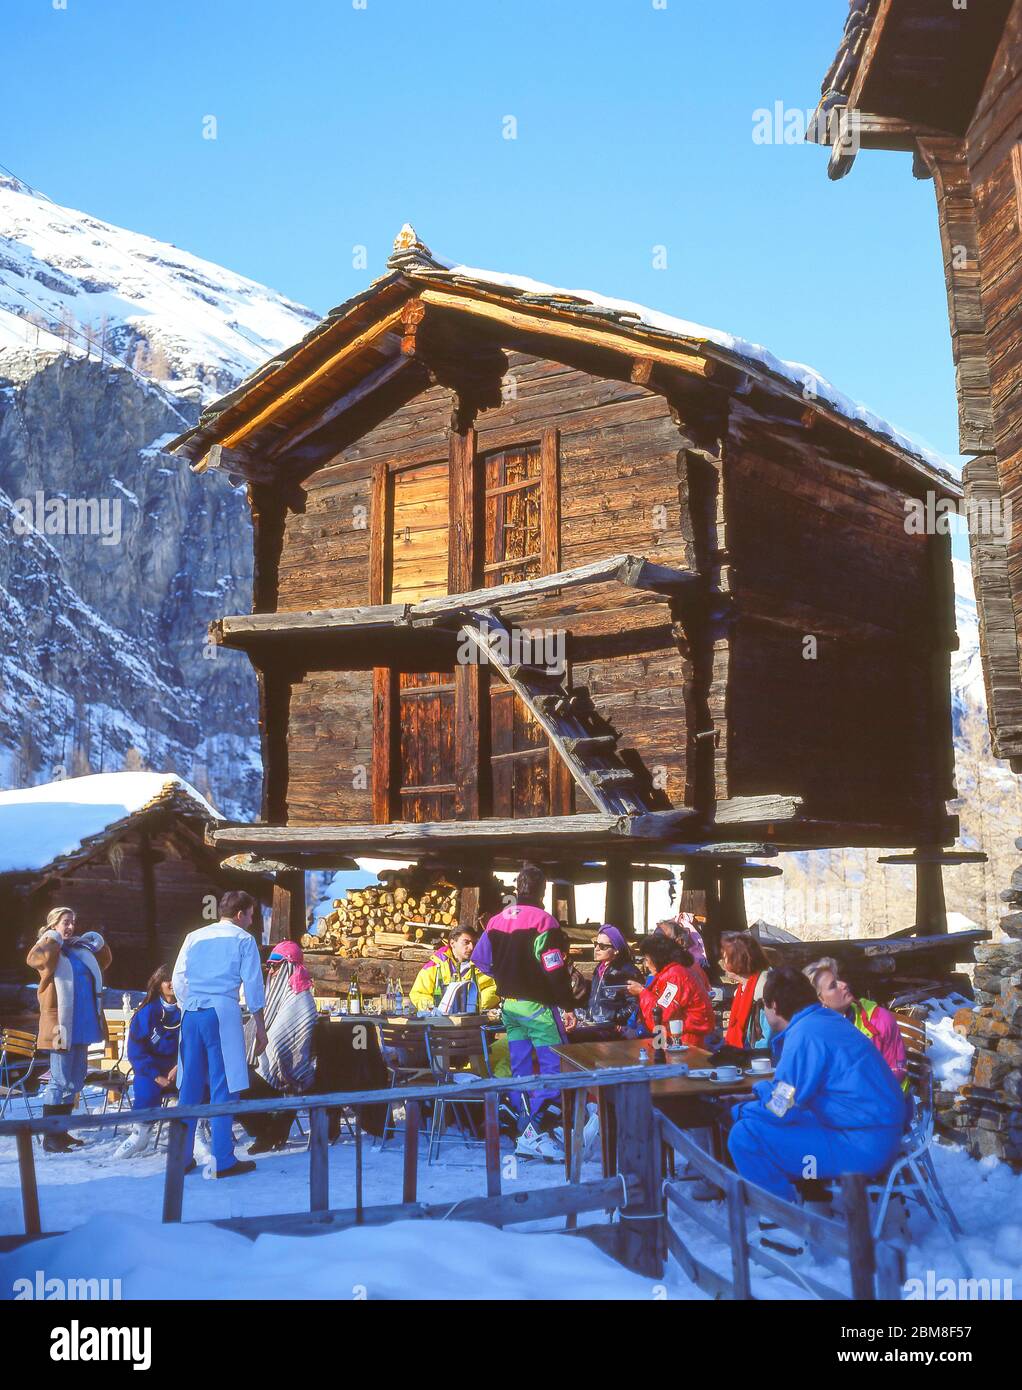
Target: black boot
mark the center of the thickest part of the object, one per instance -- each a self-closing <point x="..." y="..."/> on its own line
<point x="57" y="1143"/>
<point x="72" y="1141"/>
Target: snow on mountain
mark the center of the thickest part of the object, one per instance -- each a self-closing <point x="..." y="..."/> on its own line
<point x="68" y="280"/>
<point x="109" y="343"/>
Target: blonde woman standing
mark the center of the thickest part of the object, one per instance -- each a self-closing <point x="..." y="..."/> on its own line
<point x="70" y="1010"/>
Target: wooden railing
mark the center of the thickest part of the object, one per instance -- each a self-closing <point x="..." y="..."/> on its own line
<point x="875" y="1267"/>
<point x="641" y="1238"/>
<point x="633" y="1192"/>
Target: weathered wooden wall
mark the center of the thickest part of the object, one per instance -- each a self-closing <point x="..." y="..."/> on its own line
<point x="786" y="521"/>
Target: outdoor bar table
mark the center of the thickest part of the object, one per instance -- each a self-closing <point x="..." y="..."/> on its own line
<point x="624" y="1052"/>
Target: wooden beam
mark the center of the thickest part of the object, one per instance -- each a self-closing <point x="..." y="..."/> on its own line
<point x="383" y="772"/>
<point x="631" y="571"/>
<point x="236" y="463"/>
<point x="559" y="327"/>
<point x="350" y="349"/>
<point x="287" y="915"/>
<point x="345" y="402"/>
<point x="550" y="502"/>
<point x="378" y="528"/>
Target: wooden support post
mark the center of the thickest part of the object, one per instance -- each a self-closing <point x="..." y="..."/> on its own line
<point x="618" y="911"/>
<point x="287" y="917"/>
<point x="701" y="893"/>
<point x="359" y="1193"/>
<point x="643" y="1231"/>
<point x="491" y="1123"/>
<point x="319" y="1160"/>
<point x="931" y="909"/>
<point x="861" y="1250"/>
<point x="413" y="1120"/>
<point x="174" y="1177"/>
<point x="732" y="913"/>
<point x="573" y="1154"/>
<point x="739" y="1234"/>
<point x="29" y="1186"/>
<point x="563" y="901"/>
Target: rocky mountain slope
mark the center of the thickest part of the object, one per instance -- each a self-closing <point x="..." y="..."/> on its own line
<point x="109" y="343"/>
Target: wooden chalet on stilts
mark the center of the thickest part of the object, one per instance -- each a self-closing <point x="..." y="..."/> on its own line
<point x="742" y="647"/>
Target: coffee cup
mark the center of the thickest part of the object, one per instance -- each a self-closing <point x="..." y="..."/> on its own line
<point x="762" y="1064"/>
<point x="725" y="1073"/>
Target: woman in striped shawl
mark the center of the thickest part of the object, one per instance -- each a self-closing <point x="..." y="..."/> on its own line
<point x="287" y="1067"/>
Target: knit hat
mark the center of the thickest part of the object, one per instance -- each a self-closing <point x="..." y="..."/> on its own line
<point x="614" y="937"/>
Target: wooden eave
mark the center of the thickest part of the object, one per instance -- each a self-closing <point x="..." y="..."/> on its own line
<point x="907" y="68"/>
<point x="261" y="423"/>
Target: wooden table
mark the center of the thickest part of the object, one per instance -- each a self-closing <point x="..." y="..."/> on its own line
<point x="411" y="1022"/>
<point x="624" y="1052"/>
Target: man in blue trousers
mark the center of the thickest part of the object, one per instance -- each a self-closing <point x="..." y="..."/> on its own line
<point x="833" y="1106"/>
<point x="215" y="963"/>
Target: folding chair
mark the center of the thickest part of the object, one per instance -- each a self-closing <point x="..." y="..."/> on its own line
<point x="20" y="1063"/>
<point x="407" y="1062"/>
<point x="912" y="1174"/>
<point x="450" y="1051"/>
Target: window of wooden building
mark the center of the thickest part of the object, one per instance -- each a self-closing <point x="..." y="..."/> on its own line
<point x="521" y="518"/>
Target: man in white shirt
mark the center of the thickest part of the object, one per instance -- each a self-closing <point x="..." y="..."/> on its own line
<point x="214" y="964"/>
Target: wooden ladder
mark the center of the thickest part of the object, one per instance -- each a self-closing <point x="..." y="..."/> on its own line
<point x="568" y="718"/>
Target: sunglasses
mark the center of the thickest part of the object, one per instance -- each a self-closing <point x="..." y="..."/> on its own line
<point x="602" y="945"/>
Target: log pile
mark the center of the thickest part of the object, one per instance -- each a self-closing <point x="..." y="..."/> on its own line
<point x="404" y="917"/>
<point x="986" y="1114"/>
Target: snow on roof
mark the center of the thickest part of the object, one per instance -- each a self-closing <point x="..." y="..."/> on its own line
<point x="807" y="379"/>
<point x="55" y="820"/>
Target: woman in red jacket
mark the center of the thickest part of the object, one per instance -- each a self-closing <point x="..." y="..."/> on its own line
<point x="678" y="988"/>
<point x="742" y="957"/>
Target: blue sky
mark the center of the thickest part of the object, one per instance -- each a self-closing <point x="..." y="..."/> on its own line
<point x="335" y="124"/>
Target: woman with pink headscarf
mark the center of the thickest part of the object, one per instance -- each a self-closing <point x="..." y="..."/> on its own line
<point x="287" y="1067"/>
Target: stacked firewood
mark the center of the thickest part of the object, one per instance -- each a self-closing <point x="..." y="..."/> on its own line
<point x="986" y="1114"/>
<point x="403" y="916"/>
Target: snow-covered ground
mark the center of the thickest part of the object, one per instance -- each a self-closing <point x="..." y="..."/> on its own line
<point x="110" y="1207"/>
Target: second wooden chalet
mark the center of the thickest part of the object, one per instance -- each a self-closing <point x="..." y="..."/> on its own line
<point x="743" y="638"/>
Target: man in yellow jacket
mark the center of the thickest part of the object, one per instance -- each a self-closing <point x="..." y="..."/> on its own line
<point x="451" y="962"/>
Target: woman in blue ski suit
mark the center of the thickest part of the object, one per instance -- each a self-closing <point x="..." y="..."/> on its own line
<point x="152" y="1042"/>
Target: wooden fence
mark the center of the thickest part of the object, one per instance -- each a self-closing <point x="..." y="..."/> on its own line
<point x="633" y="1192"/>
<point x="875" y="1268"/>
<point x="637" y="1192"/>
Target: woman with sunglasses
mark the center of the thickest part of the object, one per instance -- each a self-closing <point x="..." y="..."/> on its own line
<point x="610" y="1005"/>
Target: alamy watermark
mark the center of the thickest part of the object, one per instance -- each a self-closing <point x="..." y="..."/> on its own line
<point x="53" y="1289"/>
<point x="962" y="1290"/>
<point x="537" y="647"/>
<point x="790" y="125"/>
<point x="983" y="516"/>
<point x="69" y="516"/>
